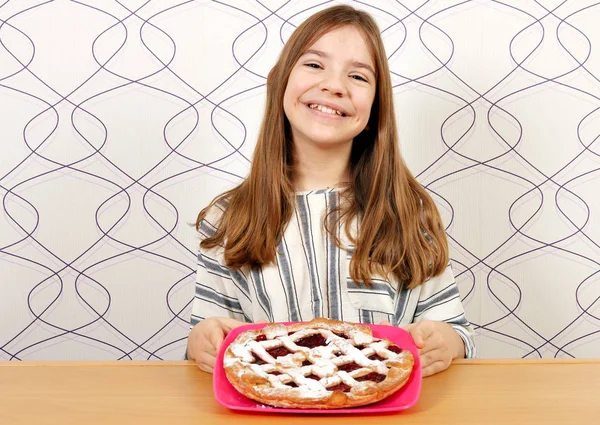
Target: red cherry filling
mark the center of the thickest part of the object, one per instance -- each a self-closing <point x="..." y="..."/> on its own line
<point x="312" y="376"/>
<point x="278" y="352"/>
<point x="394" y="349"/>
<point x="373" y="376"/>
<point x="340" y="387"/>
<point x="292" y="384"/>
<point x="312" y="341"/>
<point x="348" y="367"/>
<point x="258" y="360"/>
<point x="376" y="357"/>
<point x="261" y="337"/>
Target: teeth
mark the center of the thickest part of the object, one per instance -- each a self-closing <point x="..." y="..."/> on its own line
<point x="325" y="109"/>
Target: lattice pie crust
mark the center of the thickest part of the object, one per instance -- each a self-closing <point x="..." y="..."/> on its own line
<point x="321" y="364"/>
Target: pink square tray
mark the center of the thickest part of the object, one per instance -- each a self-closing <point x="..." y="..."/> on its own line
<point x="406" y="397"/>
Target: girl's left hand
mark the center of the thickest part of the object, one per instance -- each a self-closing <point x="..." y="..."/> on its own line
<point x="438" y="344"/>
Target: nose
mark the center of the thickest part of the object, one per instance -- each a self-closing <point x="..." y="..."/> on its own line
<point x="334" y="83"/>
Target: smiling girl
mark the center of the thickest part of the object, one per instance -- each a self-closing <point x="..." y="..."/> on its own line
<point x="329" y="222"/>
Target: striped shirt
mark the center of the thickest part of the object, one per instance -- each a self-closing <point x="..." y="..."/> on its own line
<point x="311" y="278"/>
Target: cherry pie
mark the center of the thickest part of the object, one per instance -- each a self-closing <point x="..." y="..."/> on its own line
<point x="321" y="364"/>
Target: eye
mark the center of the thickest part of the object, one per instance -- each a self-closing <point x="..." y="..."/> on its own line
<point x="359" y="78"/>
<point x="313" y="65"/>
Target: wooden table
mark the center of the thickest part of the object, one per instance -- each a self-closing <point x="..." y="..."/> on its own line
<point x="470" y="392"/>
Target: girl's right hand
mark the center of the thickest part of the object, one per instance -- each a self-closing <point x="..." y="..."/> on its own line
<point x="205" y="339"/>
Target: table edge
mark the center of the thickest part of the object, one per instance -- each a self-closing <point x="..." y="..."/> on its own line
<point x="98" y="363"/>
<point x="520" y="361"/>
<point x="189" y="363"/>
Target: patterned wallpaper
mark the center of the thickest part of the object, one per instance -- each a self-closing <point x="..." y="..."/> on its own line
<point x="120" y="120"/>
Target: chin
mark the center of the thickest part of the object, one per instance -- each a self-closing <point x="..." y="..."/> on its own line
<point x="329" y="141"/>
<point x="329" y="138"/>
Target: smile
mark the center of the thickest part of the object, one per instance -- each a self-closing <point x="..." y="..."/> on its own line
<point x="326" y="109"/>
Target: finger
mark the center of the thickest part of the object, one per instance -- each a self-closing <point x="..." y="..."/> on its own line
<point x="262" y="321"/>
<point x="215" y="339"/>
<point x="227" y="323"/>
<point x="431" y="357"/>
<point x="434" y="342"/>
<point x="415" y="333"/>
<point x="427" y="328"/>
<point x="385" y="323"/>
<point x="206" y="362"/>
<point x="420" y="331"/>
<point x="434" y="368"/>
<point x="205" y="368"/>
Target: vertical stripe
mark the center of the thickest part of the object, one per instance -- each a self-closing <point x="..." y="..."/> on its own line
<point x="333" y="260"/>
<point x="348" y="306"/>
<point x="304" y="222"/>
<point x="340" y="267"/>
<point x="261" y="293"/>
<point x="402" y="296"/>
<point x="240" y="281"/>
<point x="288" y="282"/>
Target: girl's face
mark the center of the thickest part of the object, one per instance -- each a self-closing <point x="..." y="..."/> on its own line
<point x="330" y="90"/>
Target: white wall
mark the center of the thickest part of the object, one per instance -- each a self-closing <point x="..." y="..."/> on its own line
<point x="120" y="121"/>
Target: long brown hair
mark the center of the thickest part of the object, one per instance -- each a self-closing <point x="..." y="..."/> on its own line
<point x="400" y="231"/>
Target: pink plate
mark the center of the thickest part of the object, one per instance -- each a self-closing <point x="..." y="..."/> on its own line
<point x="406" y="397"/>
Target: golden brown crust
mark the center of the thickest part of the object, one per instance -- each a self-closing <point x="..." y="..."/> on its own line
<point x="270" y="388"/>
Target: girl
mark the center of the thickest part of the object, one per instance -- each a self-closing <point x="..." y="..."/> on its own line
<point x="329" y="222"/>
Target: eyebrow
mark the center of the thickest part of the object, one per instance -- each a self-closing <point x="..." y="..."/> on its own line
<point x="356" y="64"/>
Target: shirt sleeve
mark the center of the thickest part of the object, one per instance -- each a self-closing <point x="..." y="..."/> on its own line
<point x="215" y="294"/>
<point x="439" y="300"/>
<point x="217" y="289"/>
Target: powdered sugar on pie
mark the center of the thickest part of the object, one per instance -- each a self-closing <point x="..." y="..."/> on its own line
<point x="318" y="364"/>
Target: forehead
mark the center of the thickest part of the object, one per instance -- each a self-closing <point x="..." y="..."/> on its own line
<point x="347" y="42"/>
